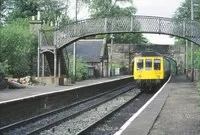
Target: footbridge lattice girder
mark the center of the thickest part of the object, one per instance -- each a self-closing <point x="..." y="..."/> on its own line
<point x="134" y="24"/>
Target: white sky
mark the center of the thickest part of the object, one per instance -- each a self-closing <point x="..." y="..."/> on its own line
<point x="162" y="8"/>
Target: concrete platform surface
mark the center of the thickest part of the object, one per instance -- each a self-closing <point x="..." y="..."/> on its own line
<point x="14" y="94"/>
<point x="175" y="111"/>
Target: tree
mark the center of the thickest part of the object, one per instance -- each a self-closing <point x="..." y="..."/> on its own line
<point x="2" y="10"/>
<point x="110" y="8"/>
<point x="184" y="12"/>
<point x="21" y="9"/>
<point x="52" y="10"/>
<point x="17" y="47"/>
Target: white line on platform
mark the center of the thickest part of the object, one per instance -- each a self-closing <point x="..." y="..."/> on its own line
<point x="62" y="90"/>
<point x="140" y="111"/>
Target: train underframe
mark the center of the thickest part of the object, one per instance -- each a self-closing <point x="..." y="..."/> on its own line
<point x="149" y="85"/>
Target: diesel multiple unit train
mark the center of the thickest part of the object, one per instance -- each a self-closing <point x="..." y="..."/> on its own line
<point x="150" y="69"/>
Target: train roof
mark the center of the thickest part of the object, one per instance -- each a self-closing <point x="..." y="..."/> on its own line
<point x="149" y="53"/>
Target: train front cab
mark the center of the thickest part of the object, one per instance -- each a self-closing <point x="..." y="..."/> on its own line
<point x="148" y="71"/>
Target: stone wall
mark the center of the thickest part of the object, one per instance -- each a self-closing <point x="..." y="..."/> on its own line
<point x="123" y="56"/>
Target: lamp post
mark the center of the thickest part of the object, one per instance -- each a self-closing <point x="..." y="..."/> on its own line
<point x="39" y="42"/>
<point x="192" y="45"/>
<point x="74" y="47"/>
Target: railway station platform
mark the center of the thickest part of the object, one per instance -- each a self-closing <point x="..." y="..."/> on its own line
<point x="9" y="95"/>
<point x="174" y="111"/>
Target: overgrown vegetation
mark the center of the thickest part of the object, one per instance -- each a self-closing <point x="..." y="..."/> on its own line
<point x="184" y="13"/>
<point x="111" y="8"/>
<point x="81" y="68"/>
<point x="17" y="48"/>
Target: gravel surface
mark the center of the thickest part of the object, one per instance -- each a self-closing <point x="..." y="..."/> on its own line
<point x="60" y="115"/>
<point x="113" y="124"/>
<point x="84" y="120"/>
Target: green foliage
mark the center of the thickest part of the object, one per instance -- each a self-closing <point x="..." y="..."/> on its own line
<point x="4" y="67"/>
<point x="81" y="68"/>
<point x="52" y="10"/>
<point x="196" y="58"/>
<point x="2" y="11"/>
<point x="48" y="31"/>
<point x="101" y="8"/>
<point x="133" y="38"/>
<point x="17" y="47"/>
<point x="184" y="11"/>
<point x="180" y="41"/>
<point x="117" y="65"/>
<point x="109" y="8"/>
<point x="21" y="8"/>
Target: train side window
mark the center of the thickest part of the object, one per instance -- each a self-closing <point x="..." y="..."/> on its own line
<point x="156" y="64"/>
<point x="148" y="63"/>
<point x="140" y="64"/>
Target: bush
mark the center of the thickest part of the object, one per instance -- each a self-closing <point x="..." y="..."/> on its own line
<point x="4" y="67"/>
<point x="17" y="47"/>
<point x="81" y="68"/>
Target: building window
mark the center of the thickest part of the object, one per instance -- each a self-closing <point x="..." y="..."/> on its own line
<point x="140" y="64"/>
<point x="156" y="64"/>
<point x="148" y="63"/>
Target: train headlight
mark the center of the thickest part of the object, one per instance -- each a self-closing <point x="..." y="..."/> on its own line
<point x="139" y="76"/>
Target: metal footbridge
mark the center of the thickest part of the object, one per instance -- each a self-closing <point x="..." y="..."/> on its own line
<point x="54" y="41"/>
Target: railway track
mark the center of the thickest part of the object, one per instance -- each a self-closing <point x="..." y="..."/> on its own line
<point x="37" y="124"/>
<point x="112" y="122"/>
<point x="93" y="125"/>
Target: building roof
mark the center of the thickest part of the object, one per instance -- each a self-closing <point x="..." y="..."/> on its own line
<point x="89" y="50"/>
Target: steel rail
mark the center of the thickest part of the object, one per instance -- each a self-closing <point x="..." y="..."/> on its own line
<point x="82" y="132"/>
<point x="37" y="131"/>
<point x="35" y="118"/>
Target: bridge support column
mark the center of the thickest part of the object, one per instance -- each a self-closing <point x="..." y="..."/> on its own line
<point x="59" y="66"/>
<point x="192" y="62"/>
<point x="43" y="61"/>
<point x="38" y="63"/>
<point x="186" y="58"/>
<point x="39" y="50"/>
<point x="55" y="63"/>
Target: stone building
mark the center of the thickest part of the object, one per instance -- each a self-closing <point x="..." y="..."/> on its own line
<point x="95" y="53"/>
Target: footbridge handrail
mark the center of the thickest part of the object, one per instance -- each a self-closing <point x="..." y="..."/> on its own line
<point x="127" y="24"/>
